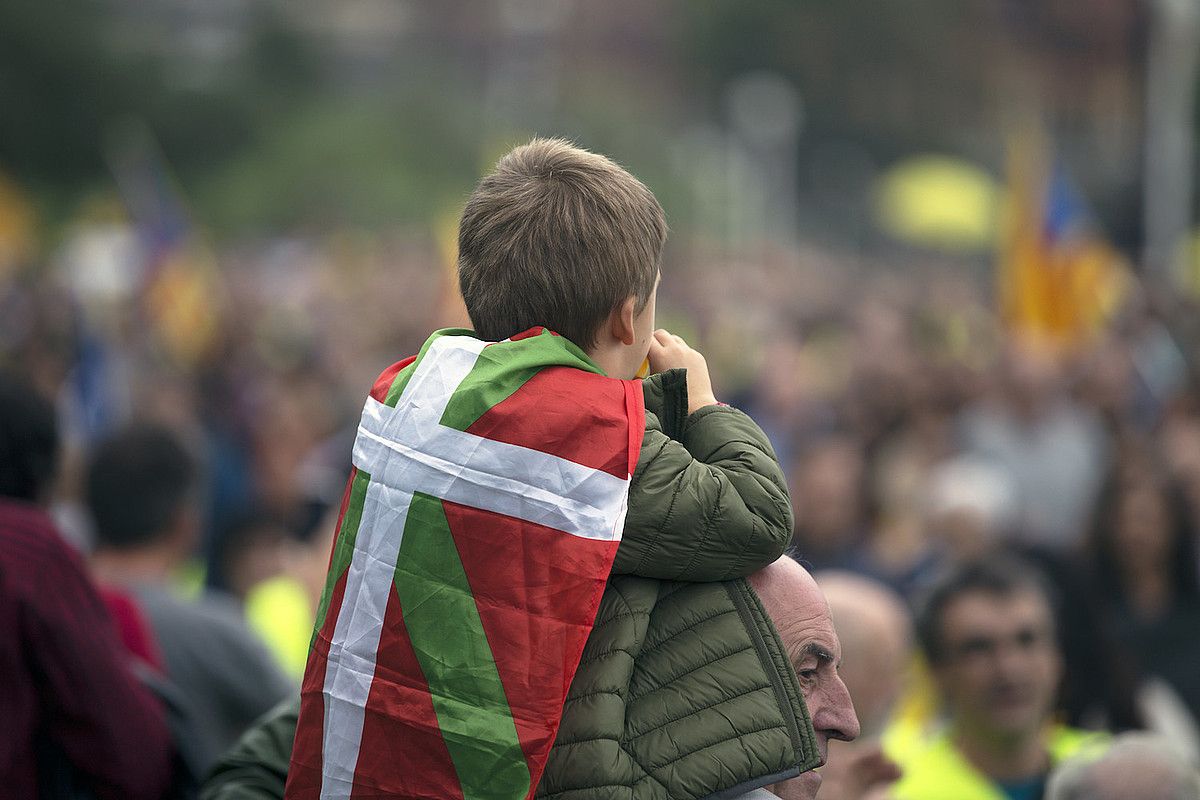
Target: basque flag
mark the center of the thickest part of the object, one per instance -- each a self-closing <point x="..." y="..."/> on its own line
<point x="476" y="535"/>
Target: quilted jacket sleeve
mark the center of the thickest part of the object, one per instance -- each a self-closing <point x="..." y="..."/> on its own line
<point x="708" y="500"/>
<point x="256" y="767"/>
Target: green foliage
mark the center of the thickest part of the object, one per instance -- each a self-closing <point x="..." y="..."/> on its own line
<point x="880" y="71"/>
<point x="359" y="160"/>
<point x="68" y="86"/>
<point x="58" y="88"/>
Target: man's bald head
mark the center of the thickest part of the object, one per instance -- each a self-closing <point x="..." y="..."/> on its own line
<point x="875" y="629"/>
<point x="798" y="609"/>
<point x="792" y="599"/>
<point x="1136" y="764"/>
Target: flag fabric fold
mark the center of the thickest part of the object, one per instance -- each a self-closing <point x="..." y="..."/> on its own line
<point x="476" y="534"/>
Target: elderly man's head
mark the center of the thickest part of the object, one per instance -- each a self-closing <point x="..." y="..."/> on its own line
<point x="875" y="629"/>
<point x="1142" y="765"/>
<point x="796" y="605"/>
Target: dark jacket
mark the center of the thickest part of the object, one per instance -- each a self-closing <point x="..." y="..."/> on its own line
<point x="74" y="716"/>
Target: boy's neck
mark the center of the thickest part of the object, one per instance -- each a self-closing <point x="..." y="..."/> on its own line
<point x="614" y="349"/>
<point x="597" y="356"/>
<point x="611" y="360"/>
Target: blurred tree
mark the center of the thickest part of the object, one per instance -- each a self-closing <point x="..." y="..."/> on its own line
<point x="58" y="88"/>
<point x="893" y="74"/>
<point x="278" y="65"/>
<point x="67" y="81"/>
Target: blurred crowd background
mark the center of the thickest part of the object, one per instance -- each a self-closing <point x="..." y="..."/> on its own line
<point x="943" y="252"/>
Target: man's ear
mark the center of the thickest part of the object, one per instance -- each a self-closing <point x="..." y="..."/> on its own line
<point x="621" y="321"/>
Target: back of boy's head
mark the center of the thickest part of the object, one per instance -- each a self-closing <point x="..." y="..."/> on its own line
<point x="558" y="237"/>
<point x="138" y="482"/>
<point x="28" y="441"/>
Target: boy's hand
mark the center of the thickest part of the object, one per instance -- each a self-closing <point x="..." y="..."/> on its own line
<point x="668" y="351"/>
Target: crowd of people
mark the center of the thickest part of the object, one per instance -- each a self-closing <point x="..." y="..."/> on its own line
<point x="1006" y="529"/>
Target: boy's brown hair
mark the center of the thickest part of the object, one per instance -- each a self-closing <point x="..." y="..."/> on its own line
<point x="559" y="237"/>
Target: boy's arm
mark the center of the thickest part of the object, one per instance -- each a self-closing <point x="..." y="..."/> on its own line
<point x="710" y="504"/>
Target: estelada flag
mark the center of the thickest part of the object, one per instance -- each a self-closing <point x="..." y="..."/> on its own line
<point x="1059" y="280"/>
<point x="479" y="526"/>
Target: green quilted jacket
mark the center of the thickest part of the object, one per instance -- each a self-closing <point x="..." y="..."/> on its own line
<point x="684" y="689"/>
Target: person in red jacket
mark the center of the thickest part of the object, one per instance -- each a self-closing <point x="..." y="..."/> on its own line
<point x="76" y="717"/>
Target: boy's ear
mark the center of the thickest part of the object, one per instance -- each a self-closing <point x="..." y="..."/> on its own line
<point x="621" y="321"/>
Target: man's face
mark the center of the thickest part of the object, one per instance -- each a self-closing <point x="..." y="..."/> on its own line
<point x="1000" y="665"/>
<point x="797" y="607"/>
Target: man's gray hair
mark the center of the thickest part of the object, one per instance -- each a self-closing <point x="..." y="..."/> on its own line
<point x="1136" y="764"/>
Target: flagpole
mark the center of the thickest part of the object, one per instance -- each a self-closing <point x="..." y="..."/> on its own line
<point x="1173" y="57"/>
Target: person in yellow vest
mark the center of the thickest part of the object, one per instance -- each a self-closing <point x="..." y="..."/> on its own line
<point x="989" y="636"/>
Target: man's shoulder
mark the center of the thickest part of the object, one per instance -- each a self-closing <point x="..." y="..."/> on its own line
<point x="1065" y="742"/>
<point x="27" y="529"/>
<point x="34" y="554"/>
<point x="200" y="619"/>
<point x="935" y="769"/>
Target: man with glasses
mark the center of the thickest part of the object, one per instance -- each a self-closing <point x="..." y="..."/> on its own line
<point x="988" y="633"/>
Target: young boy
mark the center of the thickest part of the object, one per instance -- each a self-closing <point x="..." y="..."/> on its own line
<point x="501" y="476"/>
